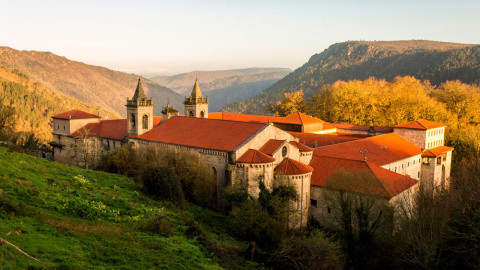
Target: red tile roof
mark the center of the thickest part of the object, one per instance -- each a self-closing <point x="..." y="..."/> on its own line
<point x="320" y="140"/>
<point x="379" y="150"/>
<point x="271" y="146"/>
<point x="420" y="124"/>
<point x="204" y="133"/>
<point x="385" y="183"/>
<point x="105" y="129"/>
<point x="244" y="117"/>
<point x="292" y="167"/>
<point x="300" y="119"/>
<point x="363" y="128"/>
<point x="437" y="151"/>
<point x="255" y="156"/>
<point x="301" y="147"/>
<point x="296" y="118"/>
<point x="75" y="114"/>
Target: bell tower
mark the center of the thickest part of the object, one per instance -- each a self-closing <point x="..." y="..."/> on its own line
<point x="139" y="112"/>
<point x="196" y="105"/>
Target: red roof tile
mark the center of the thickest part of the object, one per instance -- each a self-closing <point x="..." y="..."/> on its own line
<point x="437" y="151"/>
<point x="244" y="117"/>
<point x="271" y="146"/>
<point x="255" y="156"/>
<point x="379" y="150"/>
<point x="363" y="128"/>
<point x="292" y="167"/>
<point x="75" y="114"/>
<point x="300" y="119"/>
<point x="301" y="147"/>
<point x="203" y="133"/>
<point x="320" y="140"/>
<point x="110" y="129"/>
<point x="420" y="124"/>
<point x="385" y="183"/>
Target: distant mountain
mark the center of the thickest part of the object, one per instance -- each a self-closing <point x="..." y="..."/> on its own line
<point x="35" y="105"/>
<point x="224" y="86"/>
<point x="92" y="84"/>
<point x="425" y="60"/>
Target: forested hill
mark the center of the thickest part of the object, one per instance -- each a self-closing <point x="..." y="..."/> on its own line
<point x="425" y="60"/>
<point x="92" y="84"/>
<point x="35" y="105"/>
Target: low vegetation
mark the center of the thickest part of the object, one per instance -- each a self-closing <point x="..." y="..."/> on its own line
<point x="73" y="218"/>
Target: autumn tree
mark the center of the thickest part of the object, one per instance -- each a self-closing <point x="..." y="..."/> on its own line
<point x="290" y="104"/>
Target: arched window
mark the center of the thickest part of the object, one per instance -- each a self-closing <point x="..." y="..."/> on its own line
<point x="190" y="113"/>
<point x="214" y="173"/>
<point x="132" y="121"/>
<point x="202" y="114"/>
<point x="145" y="122"/>
<point x="284" y="151"/>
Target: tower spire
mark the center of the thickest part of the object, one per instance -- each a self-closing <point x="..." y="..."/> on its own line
<point x="139" y="93"/>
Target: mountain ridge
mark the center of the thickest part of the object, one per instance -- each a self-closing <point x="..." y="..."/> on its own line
<point x="425" y="60"/>
<point x="88" y="83"/>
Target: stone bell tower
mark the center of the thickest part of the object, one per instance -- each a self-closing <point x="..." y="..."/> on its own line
<point x="139" y="112"/>
<point x="196" y="105"/>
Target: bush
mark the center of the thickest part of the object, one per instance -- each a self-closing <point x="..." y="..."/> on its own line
<point x="309" y="251"/>
<point x="161" y="182"/>
<point x="158" y="224"/>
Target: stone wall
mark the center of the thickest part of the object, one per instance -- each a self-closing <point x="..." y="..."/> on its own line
<point x="299" y="217"/>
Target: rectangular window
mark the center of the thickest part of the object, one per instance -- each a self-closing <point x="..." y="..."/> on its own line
<point x="418" y="175"/>
<point x="313" y="203"/>
<point x="329" y="210"/>
<point x="439" y="160"/>
<point x="395" y="169"/>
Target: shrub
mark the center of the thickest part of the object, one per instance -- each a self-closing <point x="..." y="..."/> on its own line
<point x="161" y="182"/>
<point x="158" y="224"/>
<point x="309" y="251"/>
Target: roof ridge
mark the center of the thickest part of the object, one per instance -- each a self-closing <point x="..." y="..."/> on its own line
<point x="379" y="178"/>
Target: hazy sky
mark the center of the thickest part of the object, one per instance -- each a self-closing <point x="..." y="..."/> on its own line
<point x="178" y="36"/>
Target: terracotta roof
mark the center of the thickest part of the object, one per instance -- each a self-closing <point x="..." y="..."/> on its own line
<point x="203" y="133"/>
<point x="271" y="146"/>
<point x="243" y="117"/>
<point x="295" y="119"/>
<point x="363" y="128"/>
<point x="437" y="151"/>
<point x="320" y="140"/>
<point x="255" y="156"/>
<point x="301" y="119"/>
<point x="115" y="129"/>
<point x="292" y="167"/>
<point x="420" y="124"/>
<point x="75" y="114"/>
<point x="385" y="183"/>
<point x="379" y="150"/>
<point x="301" y="147"/>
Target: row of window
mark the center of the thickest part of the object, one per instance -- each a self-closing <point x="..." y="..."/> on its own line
<point x="144" y="121"/>
<point x="435" y="143"/>
<point x="435" y="132"/>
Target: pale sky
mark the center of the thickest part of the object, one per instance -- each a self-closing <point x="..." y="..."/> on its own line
<point x="180" y="36"/>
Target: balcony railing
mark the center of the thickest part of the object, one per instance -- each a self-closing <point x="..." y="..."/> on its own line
<point x="147" y="102"/>
<point x="191" y="100"/>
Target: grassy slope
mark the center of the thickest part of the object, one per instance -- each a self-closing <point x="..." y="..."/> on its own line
<point x="425" y="60"/>
<point x="45" y="197"/>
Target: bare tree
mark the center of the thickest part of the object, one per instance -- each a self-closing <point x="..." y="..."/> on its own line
<point x="85" y="147"/>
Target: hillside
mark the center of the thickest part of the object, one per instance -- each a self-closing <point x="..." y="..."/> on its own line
<point x="92" y="84"/>
<point x="73" y="218"/>
<point x="425" y="60"/>
<point x="35" y="105"/>
<point x="225" y="86"/>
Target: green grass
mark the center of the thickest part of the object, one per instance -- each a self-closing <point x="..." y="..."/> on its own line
<point x="82" y="219"/>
